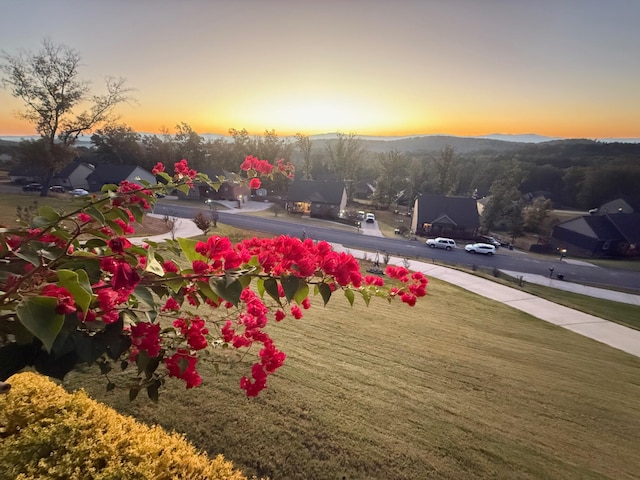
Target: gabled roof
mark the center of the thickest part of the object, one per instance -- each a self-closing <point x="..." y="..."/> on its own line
<point x="69" y="168"/>
<point x="628" y="224"/>
<point x="110" y="173"/>
<point x="612" y="227"/>
<point x="461" y="211"/>
<point x="314" y="191"/>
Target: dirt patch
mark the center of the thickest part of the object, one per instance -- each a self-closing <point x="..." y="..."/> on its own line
<point x="151" y="226"/>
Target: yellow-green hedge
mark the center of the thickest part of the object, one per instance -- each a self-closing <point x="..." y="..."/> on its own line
<point x="47" y="433"/>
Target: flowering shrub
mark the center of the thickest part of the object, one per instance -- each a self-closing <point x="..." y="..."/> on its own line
<point x="49" y="433"/>
<point x="75" y="289"/>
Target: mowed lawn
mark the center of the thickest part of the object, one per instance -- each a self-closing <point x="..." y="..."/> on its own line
<point x="457" y="387"/>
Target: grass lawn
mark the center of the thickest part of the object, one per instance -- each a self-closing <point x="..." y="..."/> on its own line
<point x="458" y="387"/>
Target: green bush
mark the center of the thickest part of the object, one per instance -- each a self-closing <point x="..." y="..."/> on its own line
<point x="47" y="433"/>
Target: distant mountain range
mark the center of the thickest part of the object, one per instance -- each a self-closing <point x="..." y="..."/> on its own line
<point x="496" y="142"/>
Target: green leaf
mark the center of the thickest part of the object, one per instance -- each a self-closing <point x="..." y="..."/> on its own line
<point x="137" y="212"/>
<point x="49" y="213"/>
<point x="77" y="282"/>
<point x="271" y="286"/>
<point x="145" y="295"/>
<point x="205" y="289"/>
<point x="183" y="188"/>
<point x="38" y="315"/>
<point x="183" y="363"/>
<point x="110" y="386"/>
<point x="153" y="265"/>
<point x="109" y="187"/>
<point x="152" y="391"/>
<point x="133" y="393"/>
<point x="95" y="214"/>
<point x="302" y="292"/>
<point x="325" y="292"/>
<point x="290" y="284"/>
<point x="231" y="293"/>
<point x="40" y="222"/>
<point x="188" y="247"/>
<point x="350" y="296"/>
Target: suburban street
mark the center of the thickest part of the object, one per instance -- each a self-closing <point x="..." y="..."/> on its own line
<point x="504" y="260"/>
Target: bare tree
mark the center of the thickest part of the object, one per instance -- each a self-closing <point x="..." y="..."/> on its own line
<point x="48" y="83"/>
<point x="303" y="142"/>
<point x="345" y="155"/>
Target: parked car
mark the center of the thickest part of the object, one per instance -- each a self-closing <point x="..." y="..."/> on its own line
<point x="79" y="192"/>
<point x="441" y="242"/>
<point x="489" y="240"/>
<point x="32" y="187"/>
<point x="370" y="218"/>
<point x="57" y="189"/>
<point x="483" y="248"/>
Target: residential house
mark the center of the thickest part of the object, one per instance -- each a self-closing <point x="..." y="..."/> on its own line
<point x="74" y="175"/>
<point x="440" y="216"/>
<point x="616" y="234"/>
<point x="106" y="174"/>
<point x="233" y="187"/>
<point x="317" y="198"/>
<point x="619" y="205"/>
<point x="363" y="190"/>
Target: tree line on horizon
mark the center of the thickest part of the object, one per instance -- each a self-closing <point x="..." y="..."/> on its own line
<point x="570" y="173"/>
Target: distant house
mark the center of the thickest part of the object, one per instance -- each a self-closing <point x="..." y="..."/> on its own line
<point x="619" y="205"/>
<point x="616" y="234"/>
<point x="74" y="175"/>
<point x="106" y="174"/>
<point x="5" y="157"/>
<point x="363" y="190"/>
<point x="232" y="188"/>
<point x="440" y="216"/>
<point x="317" y="198"/>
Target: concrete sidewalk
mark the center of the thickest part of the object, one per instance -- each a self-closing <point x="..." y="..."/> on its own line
<point x="609" y="333"/>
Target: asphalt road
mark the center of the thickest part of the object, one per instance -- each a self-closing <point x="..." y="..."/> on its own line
<point x="511" y="260"/>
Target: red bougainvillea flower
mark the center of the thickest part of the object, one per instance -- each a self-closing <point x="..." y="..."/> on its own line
<point x="66" y="303"/>
<point x="159" y="167"/>
<point x="254" y="183"/>
<point x="259" y="382"/>
<point x="171" y="305"/>
<point x="145" y="336"/>
<point x="189" y="374"/>
<point x="194" y="331"/>
<point x="296" y="312"/>
<point x="118" y="244"/>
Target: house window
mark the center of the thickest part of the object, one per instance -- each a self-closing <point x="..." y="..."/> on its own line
<point x="427" y="227"/>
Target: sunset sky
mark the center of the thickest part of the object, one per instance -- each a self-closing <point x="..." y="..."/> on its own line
<point x="561" y="68"/>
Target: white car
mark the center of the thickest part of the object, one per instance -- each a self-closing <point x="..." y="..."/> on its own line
<point x="441" y="242"/>
<point x="79" y="192"/>
<point x="370" y="218"/>
<point x="484" y="248"/>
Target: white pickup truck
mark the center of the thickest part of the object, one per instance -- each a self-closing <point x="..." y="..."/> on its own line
<point x="440" y="242"/>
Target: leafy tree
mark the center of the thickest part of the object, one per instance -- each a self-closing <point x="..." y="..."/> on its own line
<point x="189" y="145"/>
<point x="118" y="143"/>
<point x="303" y="142"/>
<point x="445" y="168"/>
<point x="536" y="213"/>
<point x="345" y="155"/>
<point x="393" y="177"/>
<point x="48" y="83"/>
<point x="504" y="207"/>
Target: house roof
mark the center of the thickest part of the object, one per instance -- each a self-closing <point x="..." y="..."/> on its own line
<point x="461" y="211"/>
<point x="612" y="227"/>
<point x="70" y="168"/>
<point x="628" y="224"/>
<point x="628" y="204"/>
<point x="110" y="173"/>
<point x="314" y="191"/>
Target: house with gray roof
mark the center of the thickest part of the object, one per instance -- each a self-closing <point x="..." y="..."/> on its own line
<point x="440" y="216"/>
<point x="615" y="234"/>
<point x="106" y="174"/>
<point x="74" y="175"/>
<point x="316" y="198"/>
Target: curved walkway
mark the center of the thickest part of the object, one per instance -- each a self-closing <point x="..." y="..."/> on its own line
<point x="609" y="333"/>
